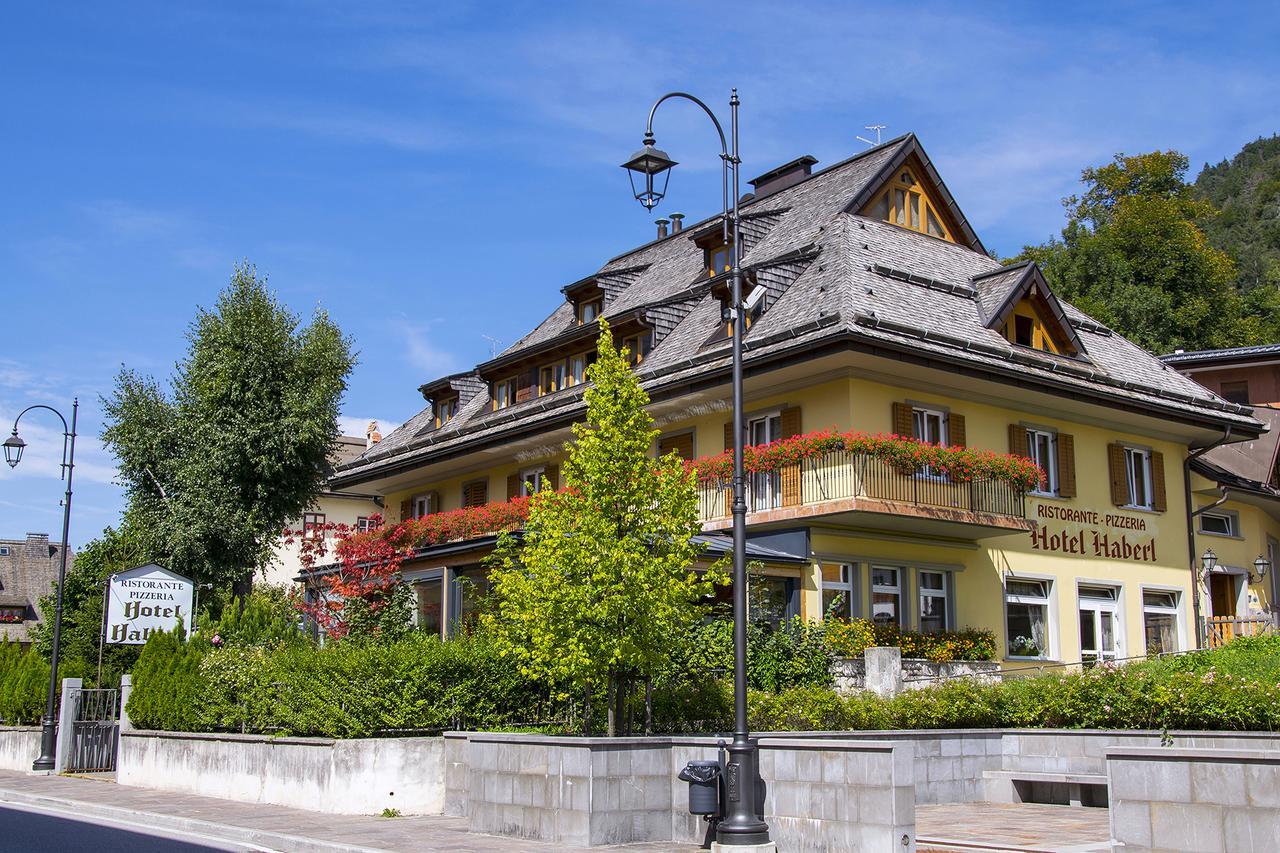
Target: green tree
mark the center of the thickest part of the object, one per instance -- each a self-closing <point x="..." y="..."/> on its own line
<point x="602" y="579"/>
<point x="216" y="469"/>
<point x="1133" y="254"/>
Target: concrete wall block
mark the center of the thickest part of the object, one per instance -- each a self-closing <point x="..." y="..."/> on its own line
<point x="1222" y="783"/>
<point x="1131" y="823"/>
<point x="574" y="761"/>
<point x="1262" y="785"/>
<point x="1251" y="830"/>
<point x="951" y="746"/>
<point x="1191" y="827"/>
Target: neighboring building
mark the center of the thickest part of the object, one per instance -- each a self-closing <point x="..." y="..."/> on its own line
<point x="881" y="312"/>
<point x="1248" y="375"/>
<point x="28" y="572"/>
<point x="352" y="507"/>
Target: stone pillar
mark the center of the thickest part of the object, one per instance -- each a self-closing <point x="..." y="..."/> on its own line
<point x="126" y="688"/>
<point x="884" y="670"/>
<point x="66" y="722"/>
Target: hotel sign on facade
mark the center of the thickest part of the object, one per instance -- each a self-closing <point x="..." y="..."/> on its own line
<point x="145" y="600"/>
<point x="1090" y="533"/>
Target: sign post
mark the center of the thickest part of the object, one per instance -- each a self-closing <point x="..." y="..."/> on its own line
<point x="145" y="600"/>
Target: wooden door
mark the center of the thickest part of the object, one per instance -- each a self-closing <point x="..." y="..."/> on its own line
<point x="1222" y="595"/>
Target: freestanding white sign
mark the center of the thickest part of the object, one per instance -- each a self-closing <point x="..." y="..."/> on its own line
<point x="144" y="600"/>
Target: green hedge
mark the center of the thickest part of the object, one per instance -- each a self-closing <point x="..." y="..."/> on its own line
<point x="24" y="682"/>
<point x="419" y="684"/>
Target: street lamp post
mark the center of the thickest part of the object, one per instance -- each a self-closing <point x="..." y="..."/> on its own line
<point x="740" y="826"/>
<point x="13" y="447"/>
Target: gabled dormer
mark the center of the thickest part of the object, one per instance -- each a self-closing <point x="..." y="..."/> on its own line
<point x="909" y="193"/>
<point x="447" y="396"/>
<point x="1017" y="302"/>
<point x="587" y="298"/>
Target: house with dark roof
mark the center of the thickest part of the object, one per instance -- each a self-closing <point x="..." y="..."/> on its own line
<point x="875" y="309"/>
<point x="28" y="572"/>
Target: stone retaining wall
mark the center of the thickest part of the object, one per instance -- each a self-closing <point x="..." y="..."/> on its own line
<point x="359" y="776"/>
<point x="850" y="674"/>
<point x="1195" y="800"/>
<point x="19" y="746"/>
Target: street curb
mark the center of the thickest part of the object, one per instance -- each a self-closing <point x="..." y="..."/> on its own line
<point x="226" y="832"/>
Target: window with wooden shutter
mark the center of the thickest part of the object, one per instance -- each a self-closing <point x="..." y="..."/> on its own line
<point x="682" y="444"/>
<point x="903" y="420"/>
<point x="1018" y="440"/>
<point x="792" y="482"/>
<point x="513" y="486"/>
<point x="475" y="493"/>
<point x="1119" y="478"/>
<point x="406" y="510"/>
<point x="528" y="386"/>
<point x="956" y="430"/>
<point x="1159" y="501"/>
<point x="1066" y="465"/>
<point x="551" y="477"/>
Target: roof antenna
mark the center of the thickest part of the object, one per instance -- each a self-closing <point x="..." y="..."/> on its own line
<point x="877" y="128"/>
<point x="495" y="346"/>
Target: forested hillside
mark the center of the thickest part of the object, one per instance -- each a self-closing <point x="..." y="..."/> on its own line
<point x="1246" y="189"/>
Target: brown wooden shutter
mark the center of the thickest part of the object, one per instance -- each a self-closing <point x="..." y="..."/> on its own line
<point x="1119" y="480"/>
<point x="904" y="422"/>
<point x="513" y="486"/>
<point x="681" y="444"/>
<point x="1066" y="465"/>
<point x="1018" y="440"/>
<point x="1159" y="501"/>
<point x="728" y="483"/>
<point x="728" y="436"/>
<point x="551" y="477"/>
<point x="527" y="385"/>
<point x="475" y="494"/>
<point x="790" y="474"/>
<point x="406" y="510"/>
<point x="956" y="436"/>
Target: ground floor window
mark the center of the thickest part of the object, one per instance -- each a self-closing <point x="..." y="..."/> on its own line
<point x="470" y="585"/>
<point x="933" y="589"/>
<point x="1099" y="621"/>
<point x="837" y="590"/>
<point x="1160" y="620"/>
<point x="886" y="595"/>
<point x="771" y="599"/>
<point x="1026" y="618"/>
<point x="430" y="595"/>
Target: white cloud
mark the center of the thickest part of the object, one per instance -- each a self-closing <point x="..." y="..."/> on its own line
<point x="431" y="360"/>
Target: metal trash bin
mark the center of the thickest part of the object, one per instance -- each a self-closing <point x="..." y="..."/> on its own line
<point x="704" y="786"/>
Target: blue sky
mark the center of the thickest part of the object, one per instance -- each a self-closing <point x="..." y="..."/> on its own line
<point x="432" y="174"/>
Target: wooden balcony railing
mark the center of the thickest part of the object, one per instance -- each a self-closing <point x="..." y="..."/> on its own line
<point x="1220" y="630"/>
<point x="842" y="475"/>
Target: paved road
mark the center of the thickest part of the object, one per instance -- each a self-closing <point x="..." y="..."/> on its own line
<point x="25" y="829"/>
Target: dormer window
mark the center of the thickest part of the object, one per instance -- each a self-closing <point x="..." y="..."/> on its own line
<point x="719" y="259"/>
<point x="589" y="311"/>
<point x="637" y="347"/>
<point x="905" y="202"/>
<point x="504" y="393"/>
<point x="754" y="307"/>
<point x="551" y="379"/>
<point x="446" y="409"/>
<point x="1026" y="328"/>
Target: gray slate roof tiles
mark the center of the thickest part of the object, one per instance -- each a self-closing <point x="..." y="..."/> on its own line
<point x="843" y="291"/>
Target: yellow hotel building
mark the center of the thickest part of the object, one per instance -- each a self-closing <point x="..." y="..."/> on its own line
<point x="881" y="312"/>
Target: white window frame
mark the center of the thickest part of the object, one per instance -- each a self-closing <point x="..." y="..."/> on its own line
<point x="4" y="550"/>
<point x="424" y="504"/>
<point x="920" y="416"/>
<point x="509" y="387"/>
<point x="1143" y="456"/>
<point x="1046" y="601"/>
<point x="1175" y="612"/>
<point x="534" y="476"/>
<point x="308" y="522"/>
<point x="1098" y="606"/>
<point x="573" y="375"/>
<point x="923" y="592"/>
<point x="1231" y="518"/>
<point x="896" y="589"/>
<point x="362" y="524"/>
<point x="766" y="487"/>
<point x="1048" y="466"/>
<point x="848" y="584"/>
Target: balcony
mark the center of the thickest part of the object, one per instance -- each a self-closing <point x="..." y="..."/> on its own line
<point x="843" y="482"/>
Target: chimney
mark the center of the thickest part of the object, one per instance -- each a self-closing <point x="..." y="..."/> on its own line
<point x="677" y="223"/>
<point x="371" y="435"/>
<point x="783" y="176"/>
<point x="662" y="227"/>
<point x="38" y="546"/>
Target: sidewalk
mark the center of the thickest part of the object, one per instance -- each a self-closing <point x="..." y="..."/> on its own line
<point x="271" y="827"/>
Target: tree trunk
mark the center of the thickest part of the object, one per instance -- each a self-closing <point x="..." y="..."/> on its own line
<point x="648" y="705"/>
<point x="240" y="589"/>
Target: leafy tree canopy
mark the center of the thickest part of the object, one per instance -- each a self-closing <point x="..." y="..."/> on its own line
<point x="1134" y="255"/>
<point x="215" y="469"/>
<point x="603" y="580"/>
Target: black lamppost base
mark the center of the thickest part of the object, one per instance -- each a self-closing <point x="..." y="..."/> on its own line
<point x="48" y="746"/>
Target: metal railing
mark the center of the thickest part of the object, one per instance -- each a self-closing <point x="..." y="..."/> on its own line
<point x="843" y="474"/>
<point x="95" y="731"/>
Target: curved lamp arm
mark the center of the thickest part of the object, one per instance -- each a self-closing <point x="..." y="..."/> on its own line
<point x="66" y="430"/>
<point x="729" y="160"/>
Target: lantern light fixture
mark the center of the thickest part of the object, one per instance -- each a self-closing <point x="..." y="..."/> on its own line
<point x="651" y="164"/>
<point x="13" y="447"/>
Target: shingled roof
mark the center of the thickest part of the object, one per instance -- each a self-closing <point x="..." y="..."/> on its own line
<point x="834" y="277"/>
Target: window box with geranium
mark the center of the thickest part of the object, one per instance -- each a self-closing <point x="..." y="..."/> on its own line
<point x="12" y="615"/>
